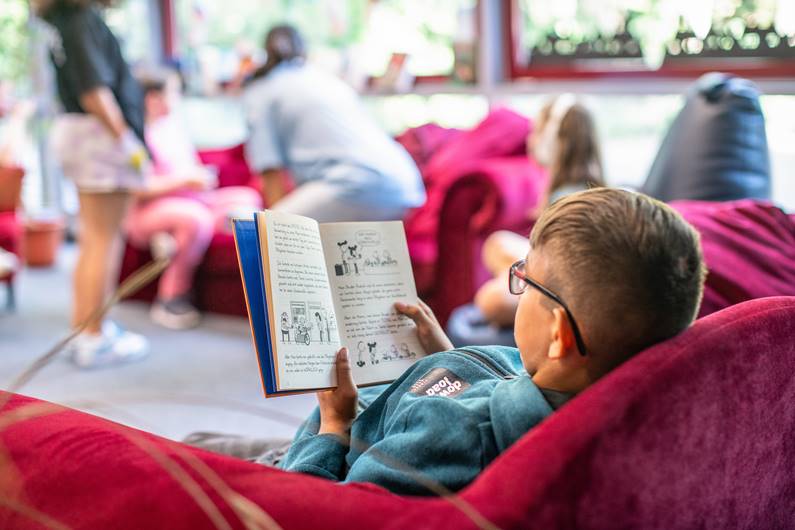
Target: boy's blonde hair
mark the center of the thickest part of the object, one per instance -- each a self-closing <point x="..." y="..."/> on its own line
<point x="629" y="267"/>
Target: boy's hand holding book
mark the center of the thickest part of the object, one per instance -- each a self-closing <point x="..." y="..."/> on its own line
<point x="338" y="406"/>
<point x="429" y="331"/>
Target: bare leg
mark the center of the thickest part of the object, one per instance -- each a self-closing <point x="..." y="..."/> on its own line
<point x="501" y="250"/>
<point x="99" y="256"/>
<point x="496" y="303"/>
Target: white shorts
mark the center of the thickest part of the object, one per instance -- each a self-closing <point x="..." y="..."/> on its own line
<point x="91" y="156"/>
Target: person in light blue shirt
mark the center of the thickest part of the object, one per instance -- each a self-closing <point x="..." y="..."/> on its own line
<point x="312" y="124"/>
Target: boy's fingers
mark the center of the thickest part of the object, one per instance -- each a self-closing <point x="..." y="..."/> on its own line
<point x="427" y="310"/>
<point x="344" y="375"/>
<point x="424" y="306"/>
<point x="411" y="311"/>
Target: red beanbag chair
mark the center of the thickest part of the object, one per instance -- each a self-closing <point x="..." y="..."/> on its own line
<point x="696" y="432"/>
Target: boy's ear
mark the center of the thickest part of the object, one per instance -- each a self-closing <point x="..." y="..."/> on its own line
<point x="562" y="341"/>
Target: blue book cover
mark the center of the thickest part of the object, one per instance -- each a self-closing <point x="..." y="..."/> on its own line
<point x="246" y="234"/>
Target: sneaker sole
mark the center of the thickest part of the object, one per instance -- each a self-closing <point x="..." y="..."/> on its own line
<point x="171" y="321"/>
<point x="109" y="361"/>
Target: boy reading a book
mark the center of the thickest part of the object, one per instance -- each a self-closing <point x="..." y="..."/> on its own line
<point x="608" y="274"/>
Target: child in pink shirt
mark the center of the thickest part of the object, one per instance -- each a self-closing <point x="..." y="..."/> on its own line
<point x="180" y="209"/>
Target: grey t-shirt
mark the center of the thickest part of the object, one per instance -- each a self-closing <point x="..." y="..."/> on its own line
<point x="568" y="189"/>
<point x="312" y="124"/>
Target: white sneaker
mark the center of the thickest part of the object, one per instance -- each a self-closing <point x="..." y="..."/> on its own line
<point x="176" y="313"/>
<point x="113" y="346"/>
<point x="111" y="329"/>
<point x="8" y="263"/>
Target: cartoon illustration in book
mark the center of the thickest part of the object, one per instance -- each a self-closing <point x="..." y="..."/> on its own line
<point x="331" y="323"/>
<point x="360" y="356"/>
<point x="298" y="317"/>
<point x="387" y="259"/>
<point x="371" y="347"/>
<point x="355" y="257"/>
<point x="380" y="262"/>
<point x="307" y="322"/>
<point x="322" y="325"/>
<point x="286" y="327"/>
<point x="405" y="353"/>
<point x="392" y="354"/>
<point x="341" y="269"/>
<point x="364" y="252"/>
<point x="302" y="329"/>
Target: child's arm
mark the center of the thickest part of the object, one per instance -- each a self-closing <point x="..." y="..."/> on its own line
<point x="323" y="454"/>
<point x="422" y="452"/>
<point x="101" y="103"/>
<point x="419" y="453"/>
<point x="273" y="187"/>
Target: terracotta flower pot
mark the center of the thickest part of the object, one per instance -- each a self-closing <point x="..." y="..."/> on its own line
<point x="43" y="238"/>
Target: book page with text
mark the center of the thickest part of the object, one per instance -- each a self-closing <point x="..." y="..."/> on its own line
<point x="302" y="319"/>
<point x="369" y="270"/>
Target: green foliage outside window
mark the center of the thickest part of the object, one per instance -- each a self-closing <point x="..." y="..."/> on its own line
<point x="656" y="29"/>
<point x="425" y="29"/>
<point x="13" y="39"/>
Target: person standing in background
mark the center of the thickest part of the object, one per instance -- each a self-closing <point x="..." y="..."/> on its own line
<point x="312" y="124"/>
<point x="99" y="141"/>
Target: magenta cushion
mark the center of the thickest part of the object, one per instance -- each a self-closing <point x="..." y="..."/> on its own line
<point x="10" y="237"/>
<point x="10" y="231"/>
<point x="493" y="196"/>
<point x="749" y="249"/>
<point x="233" y="170"/>
<point x="696" y="432"/>
<point x="503" y="133"/>
<point x="477" y="181"/>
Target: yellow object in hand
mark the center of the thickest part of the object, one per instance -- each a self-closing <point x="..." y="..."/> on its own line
<point x="137" y="159"/>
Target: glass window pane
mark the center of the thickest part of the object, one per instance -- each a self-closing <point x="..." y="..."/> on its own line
<point x="628" y="35"/>
<point x="13" y="39"/>
<point x="356" y="38"/>
<point x="135" y="26"/>
<point x="398" y="113"/>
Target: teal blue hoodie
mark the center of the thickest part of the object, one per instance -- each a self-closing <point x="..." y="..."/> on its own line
<point x="443" y="421"/>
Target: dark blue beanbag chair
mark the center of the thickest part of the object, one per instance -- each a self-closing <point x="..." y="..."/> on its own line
<point x="468" y="327"/>
<point x="716" y="148"/>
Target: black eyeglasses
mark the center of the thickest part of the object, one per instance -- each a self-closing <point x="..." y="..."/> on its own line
<point x="517" y="284"/>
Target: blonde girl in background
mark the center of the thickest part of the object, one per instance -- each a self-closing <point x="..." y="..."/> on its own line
<point x="564" y="141"/>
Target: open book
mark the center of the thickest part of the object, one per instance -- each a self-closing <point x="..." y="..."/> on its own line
<point x="311" y="289"/>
